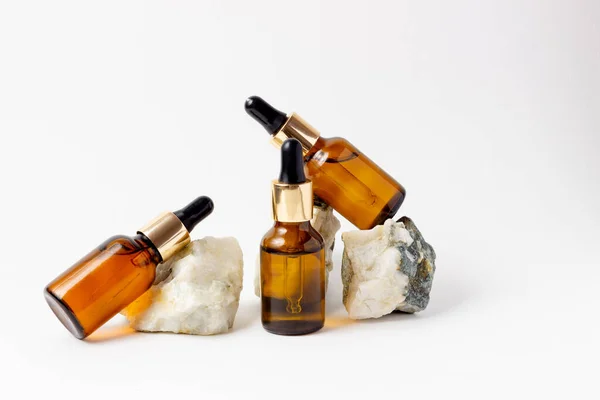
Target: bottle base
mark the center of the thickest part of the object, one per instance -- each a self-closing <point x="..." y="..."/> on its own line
<point x="390" y="209"/>
<point x="64" y="315"/>
<point x="292" y="328"/>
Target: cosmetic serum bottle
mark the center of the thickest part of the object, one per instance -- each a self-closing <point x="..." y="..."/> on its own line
<point x="342" y="176"/>
<point x="120" y="270"/>
<point x="292" y="259"/>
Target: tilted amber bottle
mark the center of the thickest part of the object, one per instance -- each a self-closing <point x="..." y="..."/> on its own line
<point x="292" y="258"/>
<point x="342" y="176"/>
<point x="120" y="270"/>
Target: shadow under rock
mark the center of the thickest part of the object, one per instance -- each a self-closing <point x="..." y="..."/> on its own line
<point x="247" y="315"/>
<point x="451" y="289"/>
<point x="449" y="292"/>
<point x="395" y="316"/>
<point x="333" y="299"/>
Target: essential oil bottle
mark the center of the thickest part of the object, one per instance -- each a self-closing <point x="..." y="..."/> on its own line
<point x="342" y="176"/>
<point x="120" y="270"/>
<point x="292" y="259"/>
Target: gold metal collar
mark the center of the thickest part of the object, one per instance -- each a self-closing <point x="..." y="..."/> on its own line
<point x="167" y="234"/>
<point x="297" y="128"/>
<point x="292" y="203"/>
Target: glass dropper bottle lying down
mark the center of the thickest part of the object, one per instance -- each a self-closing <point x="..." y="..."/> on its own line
<point x="292" y="259"/>
<point x="120" y="270"/>
<point x="342" y="176"/>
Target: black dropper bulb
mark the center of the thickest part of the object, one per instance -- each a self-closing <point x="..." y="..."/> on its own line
<point x="292" y="163"/>
<point x="195" y="212"/>
<point x="265" y="114"/>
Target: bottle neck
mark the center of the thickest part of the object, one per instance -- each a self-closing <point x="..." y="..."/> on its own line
<point x="319" y="145"/>
<point x="293" y="226"/>
<point x="167" y="234"/>
<point x="292" y="237"/>
<point x="146" y="244"/>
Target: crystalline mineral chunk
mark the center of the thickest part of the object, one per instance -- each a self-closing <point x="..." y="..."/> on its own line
<point x="387" y="268"/>
<point x="196" y="292"/>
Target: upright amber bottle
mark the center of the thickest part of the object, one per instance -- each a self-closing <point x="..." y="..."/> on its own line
<point x="342" y="176"/>
<point x="120" y="270"/>
<point x="292" y="259"/>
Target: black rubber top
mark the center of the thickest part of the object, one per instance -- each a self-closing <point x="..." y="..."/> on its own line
<point x="292" y="162"/>
<point x="195" y="212"/>
<point x="265" y="114"/>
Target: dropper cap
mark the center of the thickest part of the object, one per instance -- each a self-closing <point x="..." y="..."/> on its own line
<point x="195" y="212"/>
<point x="292" y="193"/>
<point x="265" y="114"/>
<point x="170" y="232"/>
<point x="292" y="163"/>
<point x="281" y="126"/>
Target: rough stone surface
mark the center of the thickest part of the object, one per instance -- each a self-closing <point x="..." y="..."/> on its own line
<point x="327" y="224"/>
<point x="387" y="268"/>
<point x="196" y="292"/>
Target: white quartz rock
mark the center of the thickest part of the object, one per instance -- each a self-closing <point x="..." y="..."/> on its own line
<point x="387" y="268"/>
<point x="196" y="292"/>
<point x="327" y="224"/>
<point x="257" y="276"/>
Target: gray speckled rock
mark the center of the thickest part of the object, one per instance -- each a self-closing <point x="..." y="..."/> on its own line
<point x="327" y="224"/>
<point x="387" y="268"/>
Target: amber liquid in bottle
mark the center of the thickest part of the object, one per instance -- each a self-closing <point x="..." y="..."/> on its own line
<point x="341" y="175"/>
<point x="292" y="270"/>
<point x="102" y="283"/>
<point x="352" y="184"/>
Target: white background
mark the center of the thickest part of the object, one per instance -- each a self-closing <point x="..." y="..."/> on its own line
<point x="488" y="112"/>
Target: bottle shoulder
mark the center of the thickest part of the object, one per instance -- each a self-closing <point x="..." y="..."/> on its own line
<point x="335" y="149"/>
<point x="124" y="245"/>
<point x="120" y="241"/>
<point x="336" y="141"/>
<point x="292" y="239"/>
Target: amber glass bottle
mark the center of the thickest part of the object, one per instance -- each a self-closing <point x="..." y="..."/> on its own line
<point x="342" y="176"/>
<point x="102" y="283"/>
<point x="292" y="259"/>
<point x="293" y="279"/>
<point x="120" y="270"/>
